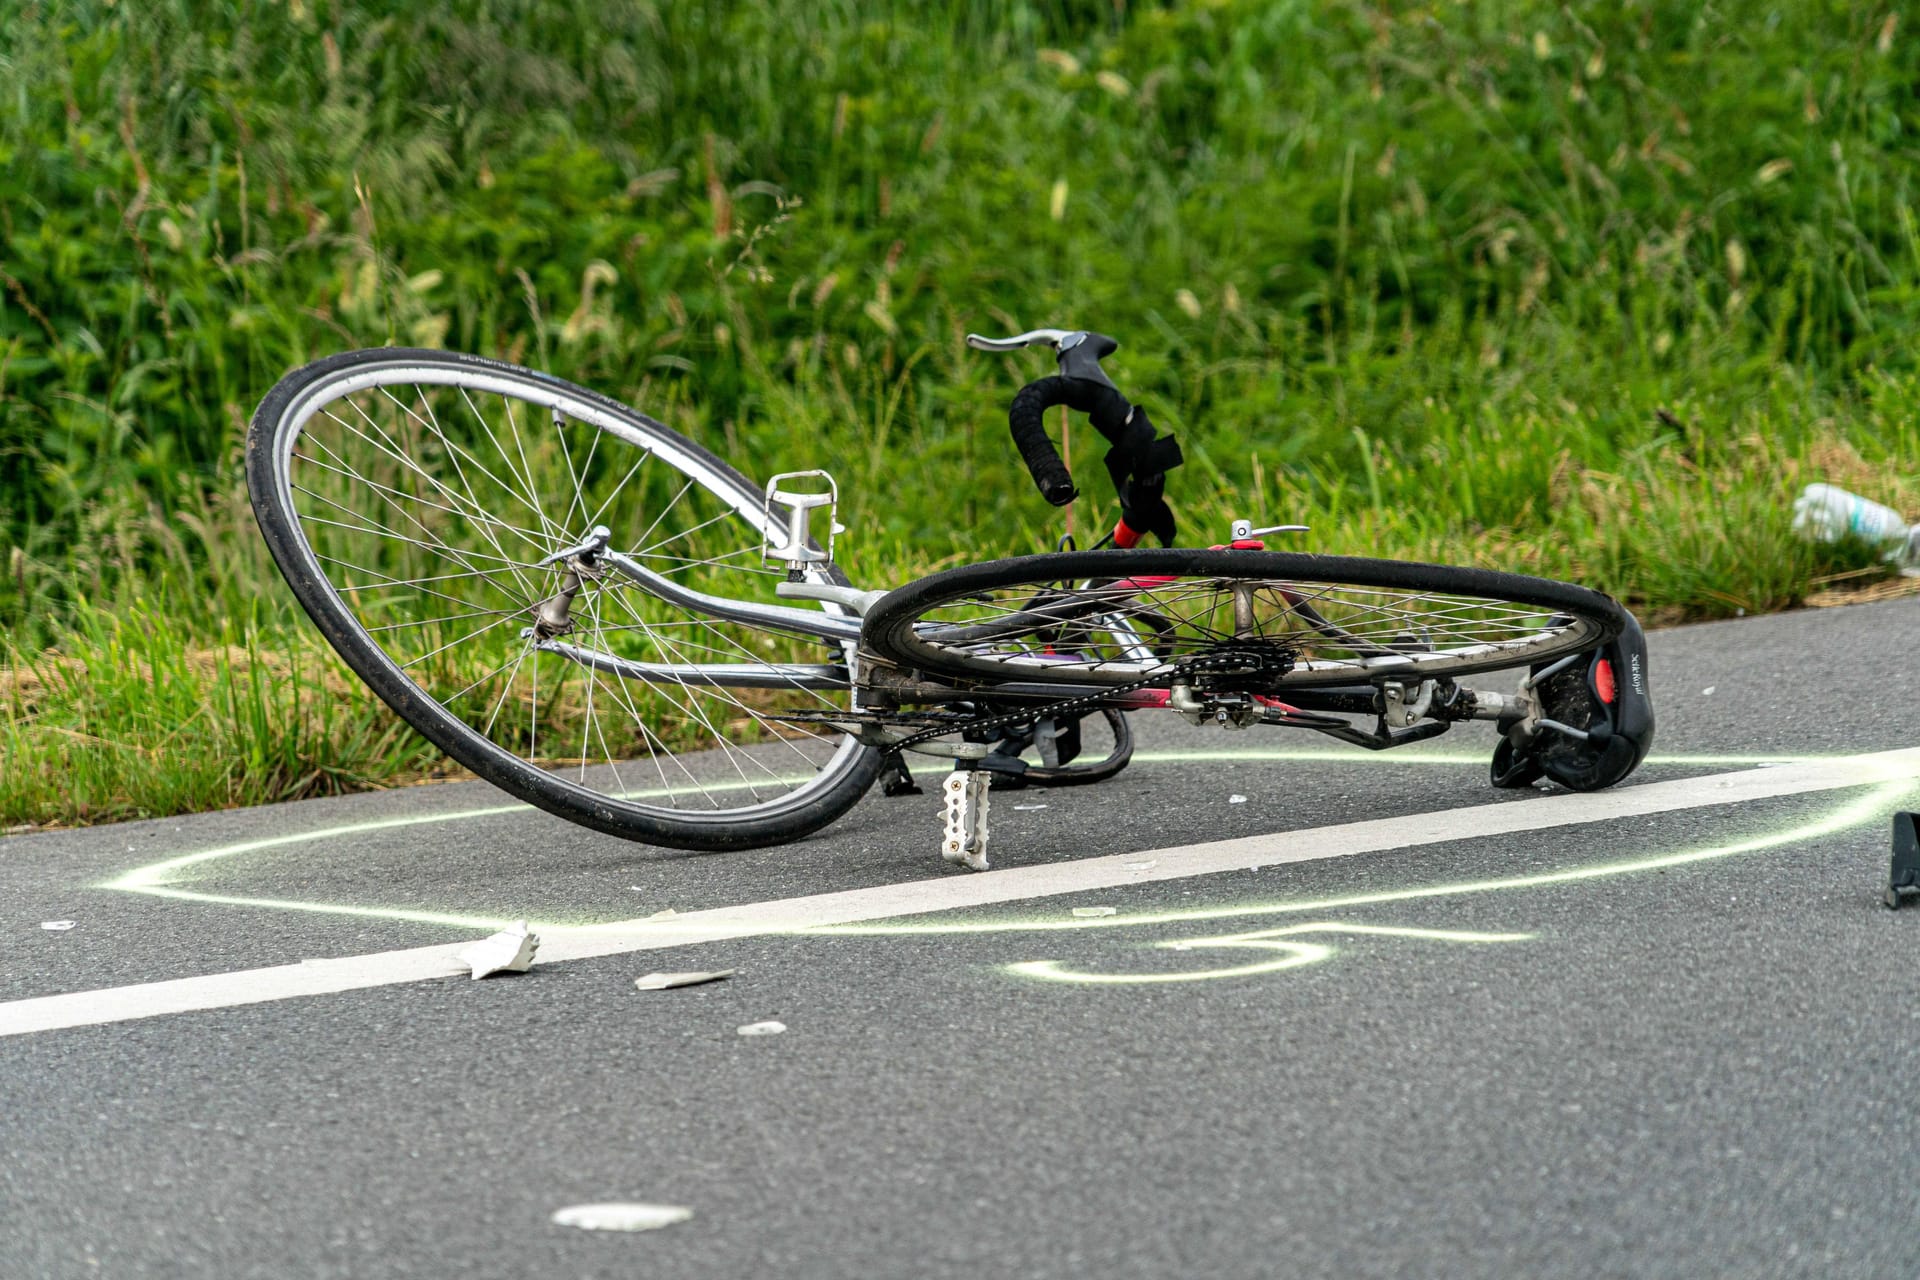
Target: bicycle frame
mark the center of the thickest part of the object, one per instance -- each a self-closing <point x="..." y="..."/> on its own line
<point x="844" y="630"/>
<point x="1407" y="711"/>
<point x="773" y="617"/>
<point x="812" y="623"/>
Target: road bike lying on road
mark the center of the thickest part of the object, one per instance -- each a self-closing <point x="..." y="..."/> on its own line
<point x="596" y="614"/>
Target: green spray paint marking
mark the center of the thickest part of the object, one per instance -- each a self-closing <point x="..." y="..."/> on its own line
<point x="1293" y="954"/>
<point x="1873" y="805"/>
<point x="157" y="879"/>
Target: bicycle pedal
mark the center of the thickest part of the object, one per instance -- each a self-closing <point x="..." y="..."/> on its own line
<point x="964" y="838"/>
<point x="798" y="550"/>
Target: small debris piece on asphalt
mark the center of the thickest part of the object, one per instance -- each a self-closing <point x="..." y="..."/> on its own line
<point x="668" y="914"/>
<point x="762" y="1029"/>
<point x="508" y="951"/>
<point x="1027" y="808"/>
<point x="1708" y="691"/>
<point x="620" y="1217"/>
<point x="1087" y="913"/>
<point x="664" y="981"/>
<point x="56" y="926"/>
<point x="1236" y="798"/>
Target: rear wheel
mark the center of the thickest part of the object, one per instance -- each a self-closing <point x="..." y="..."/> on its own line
<point x="1126" y="617"/>
<point x="420" y="505"/>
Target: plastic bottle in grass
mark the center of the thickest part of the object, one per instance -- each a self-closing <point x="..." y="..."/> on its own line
<point x="1829" y="513"/>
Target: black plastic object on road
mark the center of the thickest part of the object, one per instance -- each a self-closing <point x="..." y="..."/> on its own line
<point x="1905" y="877"/>
<point x="895" y="778"/>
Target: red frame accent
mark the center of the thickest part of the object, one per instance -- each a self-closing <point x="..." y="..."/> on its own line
<point x="1145" y="699"/>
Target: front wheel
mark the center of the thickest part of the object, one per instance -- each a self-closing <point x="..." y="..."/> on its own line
<point x="429" y="511"/>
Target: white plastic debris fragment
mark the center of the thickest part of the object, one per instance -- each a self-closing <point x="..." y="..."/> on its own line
<point x="56" y="926"/>
<point x="1148" y="865"/>
<point x="1708" y="691"/>
<point x="1827" y="513"/>
<point x="508" y="951"/>
<point x="1028" y="808"/>
<point x="1088" y="913"/>
<point x="621" y="1217"/>
<point x="762" y="1029"/>
<point x="664" y="981"/>
<point x="1236" y="798"/>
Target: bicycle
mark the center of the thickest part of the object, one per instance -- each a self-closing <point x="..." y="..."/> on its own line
<point x="713" y="680"/>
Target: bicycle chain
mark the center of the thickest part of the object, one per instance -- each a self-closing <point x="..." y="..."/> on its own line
<point x="1263" y="661"/>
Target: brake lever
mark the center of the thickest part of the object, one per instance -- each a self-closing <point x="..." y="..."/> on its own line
<point x="1055" y="338"/>
<point x="1077" y="351"/>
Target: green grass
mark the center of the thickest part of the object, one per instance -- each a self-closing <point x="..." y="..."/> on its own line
<point x="1580" y="293"/>
<point x="127" y="719"/>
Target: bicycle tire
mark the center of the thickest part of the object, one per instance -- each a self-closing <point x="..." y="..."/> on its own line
<point x="843" y="769"/>
<point x="906" y="628"/>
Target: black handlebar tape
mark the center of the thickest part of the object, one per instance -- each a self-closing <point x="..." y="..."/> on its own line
<point x="1028" y="420"/>
<point x="1104" y="406"/>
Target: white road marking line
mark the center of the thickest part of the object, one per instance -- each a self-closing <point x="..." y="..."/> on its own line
<point x="958" y="892"/>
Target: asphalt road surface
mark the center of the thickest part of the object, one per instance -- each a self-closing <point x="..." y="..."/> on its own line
<point x="1668" y="1031"/>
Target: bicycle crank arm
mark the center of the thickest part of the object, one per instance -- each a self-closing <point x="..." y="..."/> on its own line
<point x="776" y="617"/>
<point x="731" y="675"/>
